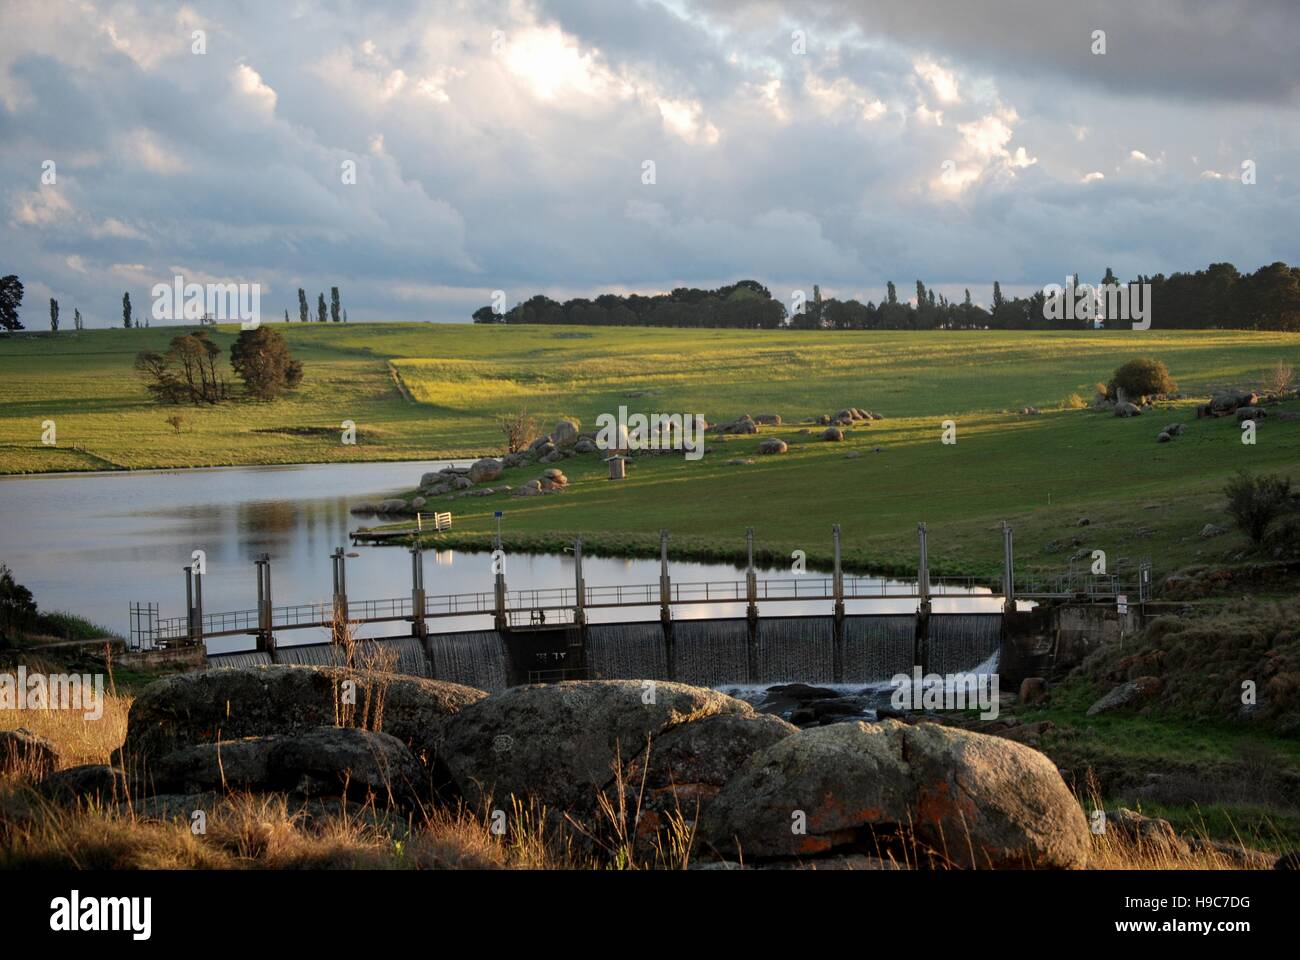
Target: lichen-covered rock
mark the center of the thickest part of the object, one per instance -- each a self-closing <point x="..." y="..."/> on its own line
<point x="946" y="794"/>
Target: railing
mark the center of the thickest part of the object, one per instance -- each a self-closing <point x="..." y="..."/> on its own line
<point x="147" y="629"/>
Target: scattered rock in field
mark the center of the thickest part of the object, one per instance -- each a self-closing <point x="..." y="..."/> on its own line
<point x="768" y="419"/>
<point x="23" y="752"/>
<point x="1210" y="530"/>
<point x="773" y="445"/>
<point x="1127" y="409"/>
<point x="585" y="445"/>
<point x="853" y="455"/>
<point x="1030" y="411"/>
<point x="1128" y="694"/>
<point x="833" y="434"/>
<point x="485" y="469"/>
<point x="742" y="424"/>
<point x="86" y="782"/>
<point x="1083" y="522"/>
<point x="1153" y="833"/>
<point x="1033" y="690"/>
<point x="566" y="432"/>
<point x="738" y="462"/>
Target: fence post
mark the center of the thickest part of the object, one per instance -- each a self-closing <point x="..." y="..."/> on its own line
<point x="198" y="607"/>
<point x="499" y="585"/>
<point x="837" y="654"/>
<point x="265" y="637"/>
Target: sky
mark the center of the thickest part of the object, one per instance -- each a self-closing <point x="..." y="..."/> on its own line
<point x="421" y="156"/>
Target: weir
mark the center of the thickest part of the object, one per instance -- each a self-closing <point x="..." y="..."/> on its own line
<point x="546" y="634"/>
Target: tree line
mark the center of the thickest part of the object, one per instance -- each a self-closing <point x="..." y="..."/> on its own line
<point x="1219" y="296"/>
<point x="11" y="301"/>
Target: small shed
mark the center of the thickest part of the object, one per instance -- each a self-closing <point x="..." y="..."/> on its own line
<point x="617" y="466"/>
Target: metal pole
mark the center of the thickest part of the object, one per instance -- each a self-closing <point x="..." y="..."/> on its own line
<point x="838" y="581"/>
<point x="417" y="590"/>
<point x="1008" y="570"/>
<point x="579" y="613"/>
<point x="189" y="604"/>
<point x="921" y="653"/>
<point x="665" y="584"/>
<point x="751" y="610"/>
<point x="837" y="655"/>
<point x="198" y="607"/>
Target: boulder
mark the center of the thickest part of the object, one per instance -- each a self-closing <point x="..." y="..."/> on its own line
<point x="832" y="433"/>
<point x="391" y="505"/>
<point x="773" y="445"/>
<point x="1127" y="694"/>
<point x="743" y="424"/>
<point x="1250" y="413"/>
<point x="1033" y="690"/>
<point x="586" y="445"/>
<point x="557" y="742"/>
<point x="88" y="781"/>
<point x="485" y="469"/>
<point x="768" y="419"/>
<point x="323" y="761"/>
<point x="1152" y="833"/>
<point x="23" y="752"/>
<point x="365" y="506"/>
<point x="539" y="443"/>
<point x="689" y="764"/>
<point x="1127" y="409"/>
<point x="1163" y="438"/>
<point x="461" y="483"/>
<point x="923" y="791"/>
<point x="853" y="455"/>
<point x="1210" y="530"/>
<point x="234" y="703"/>
<point x="417" y="503"/>
<point x="566" y="433"/>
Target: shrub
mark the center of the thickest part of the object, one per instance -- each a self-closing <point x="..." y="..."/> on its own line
<point x="1254" y="502"/>
<point x="1073" y="402"/>
<point x="1279" y="378"/>
<point x="1141" y="377"/>
<point x="520" y="430"/>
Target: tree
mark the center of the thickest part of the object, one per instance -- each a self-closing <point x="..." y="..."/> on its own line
<point x="76" y="319"/>
<point x="520" y="430"/>
<point x="302" y="305"/>
<point x="345" y="316"/>
<point x="186" y="372"/>
<point x="320" y="308"/>
<point x="1279" y="378"/>
<point x="17" y="606"/>
<point x="1142" y="377"/>
<point x="997" y="297"/>
<point x="334" y="304"/>
<point x="262" y="360"/>
<point x="286" y="316"/>
<point x="11" y="298"/>
<point x="54" y="315"/>
<point x="126" y="310"/>
<point x="1254" y="502"/>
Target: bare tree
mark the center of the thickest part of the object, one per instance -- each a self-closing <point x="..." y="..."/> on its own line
<point x="520" y="430"/>
<point x="1279" y="378"/>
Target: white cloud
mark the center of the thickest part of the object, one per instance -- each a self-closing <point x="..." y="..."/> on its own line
<point x="943" y="82"/>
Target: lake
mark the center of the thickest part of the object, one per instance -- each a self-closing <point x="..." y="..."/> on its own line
<point x="91" y="543"/>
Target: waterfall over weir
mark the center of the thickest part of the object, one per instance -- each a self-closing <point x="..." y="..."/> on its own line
<point x="313" y="654"/>
<point x="627" y="651"/>
<point x="250" y="658"/>
<point x="710" y="652"/>
<point x="962" y="641"/>
<point x="878" y="647"/>
<point x="476" y="659"/>
<point x="795" y="649"/>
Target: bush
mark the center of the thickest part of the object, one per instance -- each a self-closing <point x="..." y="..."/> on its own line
<point x="1073" y="402"/>
<point x="1254" y="502"/>
<point x="1142" y="377"/>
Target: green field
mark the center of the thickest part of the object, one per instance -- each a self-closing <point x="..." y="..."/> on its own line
<point x="430" y="391"/>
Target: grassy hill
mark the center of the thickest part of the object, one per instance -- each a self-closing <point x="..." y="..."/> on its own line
<point x="424" y="390"/>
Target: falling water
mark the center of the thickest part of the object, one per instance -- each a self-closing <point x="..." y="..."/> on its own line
<point x="398" y="654"/>
<point x="710" y="652"/>
<point x="962" y="641"/>
<point x="877" y="647"/>
<point x="249" y="658"/>
<point x="476" y="659"/>
<point x="627" y="651"/>
<point x="312" y="654"/>
<point x="796" y="649"/>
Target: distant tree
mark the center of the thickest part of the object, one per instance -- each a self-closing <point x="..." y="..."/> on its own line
<point x="334" y="304"/>
<point x="286" y="316"/>
<point x="126" y="310"/>
<point x="345" y="316"/>
<point x="175" y="421"/>
<point x="1280" y="377"/>
<point x="998" y="300"/>
<point x="187" y="372"/>
<point x="17" y="606"/>
<point x="11" y="298"/>
<point x="1142" y="377"/>
<point x="520" y="430"/>
<point x="320" y="309"/>
<point x="891" y="294"/>
<point x="302" y="305"/>
<point x="54" y="315"/>
<point x="1254" y="502"/>
<point x="262" y="360"/>
<point x="76" y="319"/>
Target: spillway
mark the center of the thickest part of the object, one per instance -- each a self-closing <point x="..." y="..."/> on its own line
<point x="627" y="651"/>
